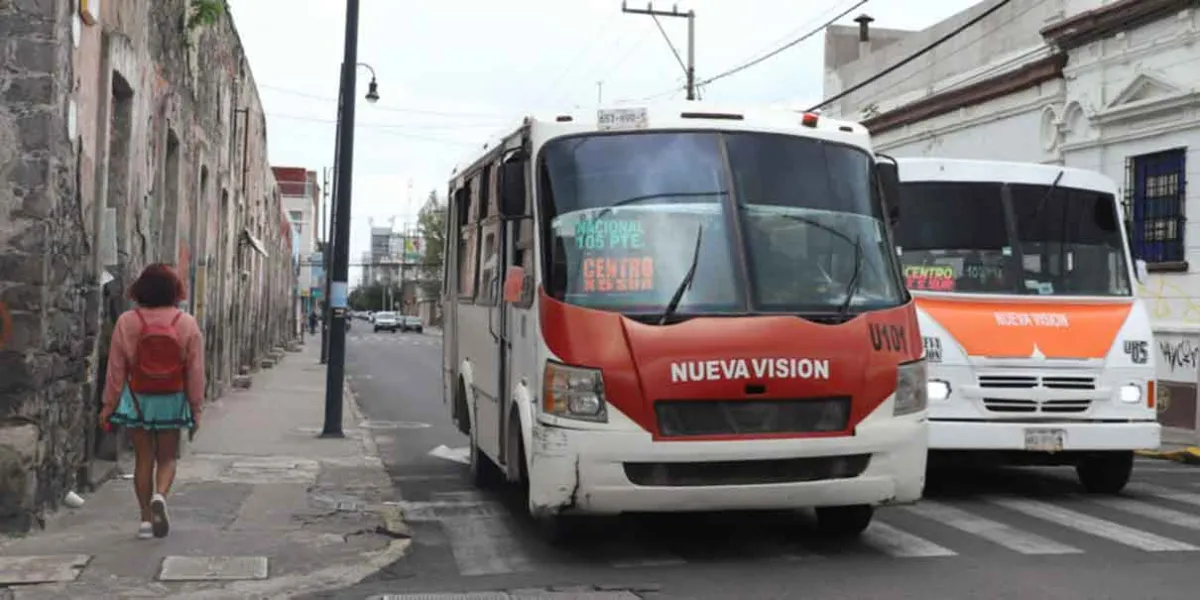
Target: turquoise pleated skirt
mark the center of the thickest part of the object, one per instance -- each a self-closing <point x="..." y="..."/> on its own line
<point x="160" y="411"/>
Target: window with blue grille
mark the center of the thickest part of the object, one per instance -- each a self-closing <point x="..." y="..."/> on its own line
<point x="1155" y="196"/>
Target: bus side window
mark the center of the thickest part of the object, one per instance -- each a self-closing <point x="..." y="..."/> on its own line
<point x="468" y="248"/>
<point x="489" y="230"/>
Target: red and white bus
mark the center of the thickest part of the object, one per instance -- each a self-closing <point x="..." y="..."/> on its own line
<point x="683" y="308"/>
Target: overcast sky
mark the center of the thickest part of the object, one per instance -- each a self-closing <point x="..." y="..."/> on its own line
<point x="453" y="72"/>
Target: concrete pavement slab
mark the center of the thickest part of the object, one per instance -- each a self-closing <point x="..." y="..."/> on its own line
<point x="256" y="500"/>
<point x="213" y="568"/>
<point x="16" y="570"/>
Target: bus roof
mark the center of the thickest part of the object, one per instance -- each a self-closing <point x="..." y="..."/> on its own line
<point x="952" y="169"/>
<point x="672" y="115"/>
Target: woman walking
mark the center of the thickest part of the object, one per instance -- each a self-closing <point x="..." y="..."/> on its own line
<point x="155" y="387"/>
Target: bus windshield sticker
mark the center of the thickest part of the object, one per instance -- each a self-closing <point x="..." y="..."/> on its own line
<point x="603" y="234"/>
<point x="933" y="278"/>
<point x="632" y="274"/>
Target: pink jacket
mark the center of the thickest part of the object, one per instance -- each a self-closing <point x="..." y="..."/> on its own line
<point x="124" y="342"/>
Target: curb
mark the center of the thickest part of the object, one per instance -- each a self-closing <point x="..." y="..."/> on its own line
<point x="1189" y="455"/>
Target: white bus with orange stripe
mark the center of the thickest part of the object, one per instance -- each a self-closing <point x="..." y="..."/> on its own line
<point x="1038" y="347"/>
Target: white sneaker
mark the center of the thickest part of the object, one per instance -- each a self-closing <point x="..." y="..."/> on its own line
<point x="145" y="531"/>
<point x="158" y="516"/>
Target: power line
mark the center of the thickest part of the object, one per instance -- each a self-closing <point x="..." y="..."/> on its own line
<point x="982" y="36"/>
<point x="583" y="51"/>
<point x="786" y="46"/>
<point x="416" y="111"/>
<point x="912" y="57"/>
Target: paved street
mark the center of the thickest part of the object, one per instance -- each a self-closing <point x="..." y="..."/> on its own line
<point x="1007" y="533"/>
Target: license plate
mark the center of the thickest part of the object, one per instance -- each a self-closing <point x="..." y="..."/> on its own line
<point x="1045" y="440"/>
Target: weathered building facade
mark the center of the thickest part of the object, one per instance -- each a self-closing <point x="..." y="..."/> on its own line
<point x="1105" y="85"/>
<point x="131" y="132"/>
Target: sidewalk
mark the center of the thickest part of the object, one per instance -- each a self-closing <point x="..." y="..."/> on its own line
<point x="261" y="508"/>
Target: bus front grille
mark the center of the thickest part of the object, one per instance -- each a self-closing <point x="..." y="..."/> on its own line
<point x="746" y="472"/>
<point x="692" y="418"/>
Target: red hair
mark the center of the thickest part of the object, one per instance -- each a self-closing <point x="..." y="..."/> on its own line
<point x="158" y="285"/>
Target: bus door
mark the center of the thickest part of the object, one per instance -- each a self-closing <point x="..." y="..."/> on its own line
<point x="516" y="251"/>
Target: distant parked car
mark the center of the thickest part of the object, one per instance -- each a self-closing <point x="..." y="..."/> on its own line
<point x="411" y="323"/>
<point x="387" y="321"/>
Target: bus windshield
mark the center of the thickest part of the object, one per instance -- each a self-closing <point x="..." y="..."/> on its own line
<point x="1055" y="241"/>
<point x="774" y="224"/>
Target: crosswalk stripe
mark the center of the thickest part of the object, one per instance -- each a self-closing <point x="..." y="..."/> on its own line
<point x="992" y="531"/>
<point x="1167" y="493"/>
<point x="1176" y="518"/>
<point x="484" y="545"/>
<point x="901" y="544"/>
<point x="1096" y="526"/>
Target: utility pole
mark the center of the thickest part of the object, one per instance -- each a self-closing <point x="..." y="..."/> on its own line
<point x="599" y="93"/>
<point x="335" y="372"/>
<point x="690" y="68"/>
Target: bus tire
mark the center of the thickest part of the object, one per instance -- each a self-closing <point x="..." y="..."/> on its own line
<point x="484" y="473"/>
<point x="1105" y="472"/>
<point x="844" y="521"/>
<point x="461" y="415"/>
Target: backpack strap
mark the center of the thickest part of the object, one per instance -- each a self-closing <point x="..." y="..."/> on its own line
<point x="140" y="316"/>
<point x="178" y="316"/>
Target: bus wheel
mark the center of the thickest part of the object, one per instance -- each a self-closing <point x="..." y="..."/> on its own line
<point x="484" y="473"/>
<point x="1106" y="472"/>
<point x="844" y="521"/>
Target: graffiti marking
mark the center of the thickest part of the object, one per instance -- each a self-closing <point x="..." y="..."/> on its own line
<point x="1179" y="355"/>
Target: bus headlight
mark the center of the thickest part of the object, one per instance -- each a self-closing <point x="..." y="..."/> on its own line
<point x="1131" y="394"/>
<point x="573" y="392"/>
<point x="938" y="389"/>
<point x="912" y="391"/>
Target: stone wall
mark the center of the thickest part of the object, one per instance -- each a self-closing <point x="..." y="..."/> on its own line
<point x="126" y="137"/>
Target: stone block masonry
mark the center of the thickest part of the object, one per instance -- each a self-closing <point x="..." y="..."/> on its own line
<point x="130" y="133"/>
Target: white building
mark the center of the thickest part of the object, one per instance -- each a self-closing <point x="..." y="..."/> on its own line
<point x="1107" y="85"/>
<point x="302" y="204"/>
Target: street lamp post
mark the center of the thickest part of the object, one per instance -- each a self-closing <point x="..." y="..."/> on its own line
<point x="335" y="371"/>
<point x="372" y="97"/>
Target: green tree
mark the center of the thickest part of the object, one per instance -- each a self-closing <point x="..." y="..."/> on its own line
<point x="366" y="297"/>
<point x="432" y="223"/>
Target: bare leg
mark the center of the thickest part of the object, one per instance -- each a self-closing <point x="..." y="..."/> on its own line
<point x="168" y="446"/>
<point x="143" y="470"/>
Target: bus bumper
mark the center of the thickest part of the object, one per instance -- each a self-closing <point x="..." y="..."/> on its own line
<point x="1075" y="436"/>
<point x="609" y="472"/>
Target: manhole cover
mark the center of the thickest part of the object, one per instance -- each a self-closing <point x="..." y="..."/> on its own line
<point x="393" y="425"/>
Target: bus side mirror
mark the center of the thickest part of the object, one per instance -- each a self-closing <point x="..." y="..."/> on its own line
<point x="514" y="284"/>
<point x="1141" y="271"/>
<point x="889" y="180"/>
<point x="512" y="194"/>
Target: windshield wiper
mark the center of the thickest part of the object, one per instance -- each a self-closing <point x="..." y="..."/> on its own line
<point x="852" y="285"/>
<point x="687" y="280"/>
<point x="607" y="209"/>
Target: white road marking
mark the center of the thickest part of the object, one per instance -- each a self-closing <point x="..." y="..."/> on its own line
<point x="459" y="455"/>
<point x="893" y="542"/>
<point x="1098" y="527"/>
<point x="1166" y="493"/>
<point x="992" y="531"/>
<point x="1170" y="516"/>
<point x="485" y="545"/>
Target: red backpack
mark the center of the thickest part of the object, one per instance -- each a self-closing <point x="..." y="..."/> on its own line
<point x="158" y="365"/>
